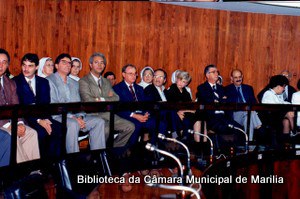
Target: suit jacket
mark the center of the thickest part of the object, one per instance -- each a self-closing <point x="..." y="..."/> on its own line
<point x="89" y="90"/>
<point x="61" y="92"/>
<point x="26" y="96"/>
<point x="152" y="94"/>
<point x="205" y="93"/>
<point x="10" y="90"/>
<point x="125" y="95"/>
<point x="247" y="90"/>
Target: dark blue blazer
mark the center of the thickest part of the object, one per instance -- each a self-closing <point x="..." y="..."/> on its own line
<point x="25" y="94"/>
<point x="247" y="90"/>
<point x="152" y="94"/>
<point x="125" y="95"/>
<point x="205" y="93"/>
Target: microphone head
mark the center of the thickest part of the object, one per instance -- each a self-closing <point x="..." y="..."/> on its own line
<point x="161" y="136"/>
<point x="230" y="125"/>
<point x="150" y="147"/>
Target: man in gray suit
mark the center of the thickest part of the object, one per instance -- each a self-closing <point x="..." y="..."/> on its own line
<point x="94" y="88"/>
<point x="63" y="89"/>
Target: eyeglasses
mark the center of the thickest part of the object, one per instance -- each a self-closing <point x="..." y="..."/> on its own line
<point x="159" y="77"/>
<point x="4" y="62"/>
<point x="65" y="62"/>
<point x="148" y="75"/>
<point x="214" y="71"/>
<point x="131" y="74"/>
<point x="50" y="65"/>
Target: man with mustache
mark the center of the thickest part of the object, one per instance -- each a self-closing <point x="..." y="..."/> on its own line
<point x="237" y="92"/>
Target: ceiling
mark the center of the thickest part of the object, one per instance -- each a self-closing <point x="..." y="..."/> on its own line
<point x="268" y="7"/>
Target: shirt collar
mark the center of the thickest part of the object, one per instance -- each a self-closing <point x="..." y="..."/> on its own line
<point x="32" y="79"/>
<point x="96" y="78"/>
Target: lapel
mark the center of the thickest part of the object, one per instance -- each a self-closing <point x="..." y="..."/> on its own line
<point x="94" y="86"/>
<point x="8" y="89"/>
<point x="126" y="92"/>
<point x="26" y="86"/>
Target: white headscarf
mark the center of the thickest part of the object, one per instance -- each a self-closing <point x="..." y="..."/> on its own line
<point x="41" y="66"/>
<point x="142" y="83"/>
<point x="80" y="63"/>
<point x="174" y="76"/>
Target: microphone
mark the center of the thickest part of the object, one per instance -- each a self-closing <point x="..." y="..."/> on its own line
<point x="188" y="164"/>
<point x="176" y="187"/>
<point x="211" y="143"/>
<point x="241" y="130"/>
<point x="151" y="147"/>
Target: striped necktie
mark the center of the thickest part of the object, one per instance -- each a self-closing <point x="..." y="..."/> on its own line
<point x="132" y="93"/>
<point x="2" y="92"/>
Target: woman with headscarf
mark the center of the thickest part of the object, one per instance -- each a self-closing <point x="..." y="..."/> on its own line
<point x="75" y="68"/>
<point x="146" y="76"/>
<point x="46" y="67"/>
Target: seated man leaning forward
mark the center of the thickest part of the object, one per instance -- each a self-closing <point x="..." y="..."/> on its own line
<point x="94" y="88"/>
<point x="63" y="89"/>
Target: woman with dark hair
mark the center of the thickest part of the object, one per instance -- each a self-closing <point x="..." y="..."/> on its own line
<point x="296" y="100"/>
<point x="273" y="96"/>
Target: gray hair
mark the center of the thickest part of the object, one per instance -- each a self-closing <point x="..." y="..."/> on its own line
<point x="183" y="75"/>
<point x="97" y="54"/>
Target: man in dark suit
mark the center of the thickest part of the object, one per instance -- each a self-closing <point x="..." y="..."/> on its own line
<point x="32" y="89"/>
<point x="129" y="91"/>
<point x="237" y="92"/>
<point x="27" y="142"/>
<point x="210" y="92"/>
<point x="94" y="88"/>
<point x="155" y="92"/>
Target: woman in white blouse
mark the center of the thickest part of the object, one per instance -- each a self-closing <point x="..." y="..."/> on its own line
<point x="296" y="100"/>
<point x="273" y="96"/>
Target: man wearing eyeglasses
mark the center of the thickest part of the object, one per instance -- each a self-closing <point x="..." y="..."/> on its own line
<point x="129" y="91"/>
<point x="64" y="89"/>
<point x="210" y="92"/>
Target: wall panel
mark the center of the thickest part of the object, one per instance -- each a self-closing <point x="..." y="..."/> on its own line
<point x="145" y="33"/>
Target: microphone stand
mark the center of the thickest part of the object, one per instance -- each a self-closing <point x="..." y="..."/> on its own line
<point x="151" y="147"/>
<point x="188" y="163"/>
<point x="241" y="130"/>
<point x="177" y="187"/>
<point x="211" y="144"/>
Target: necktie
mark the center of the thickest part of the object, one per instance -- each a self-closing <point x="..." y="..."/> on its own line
<point x="132" y="93"/>
<point x="100" y="85"/>
<point x="3" y="96"/>
<point x="239" y="94"/>
<point x="30" y="86"/>
<point x="284" y="95"/>
<point x="216" y="95"/>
